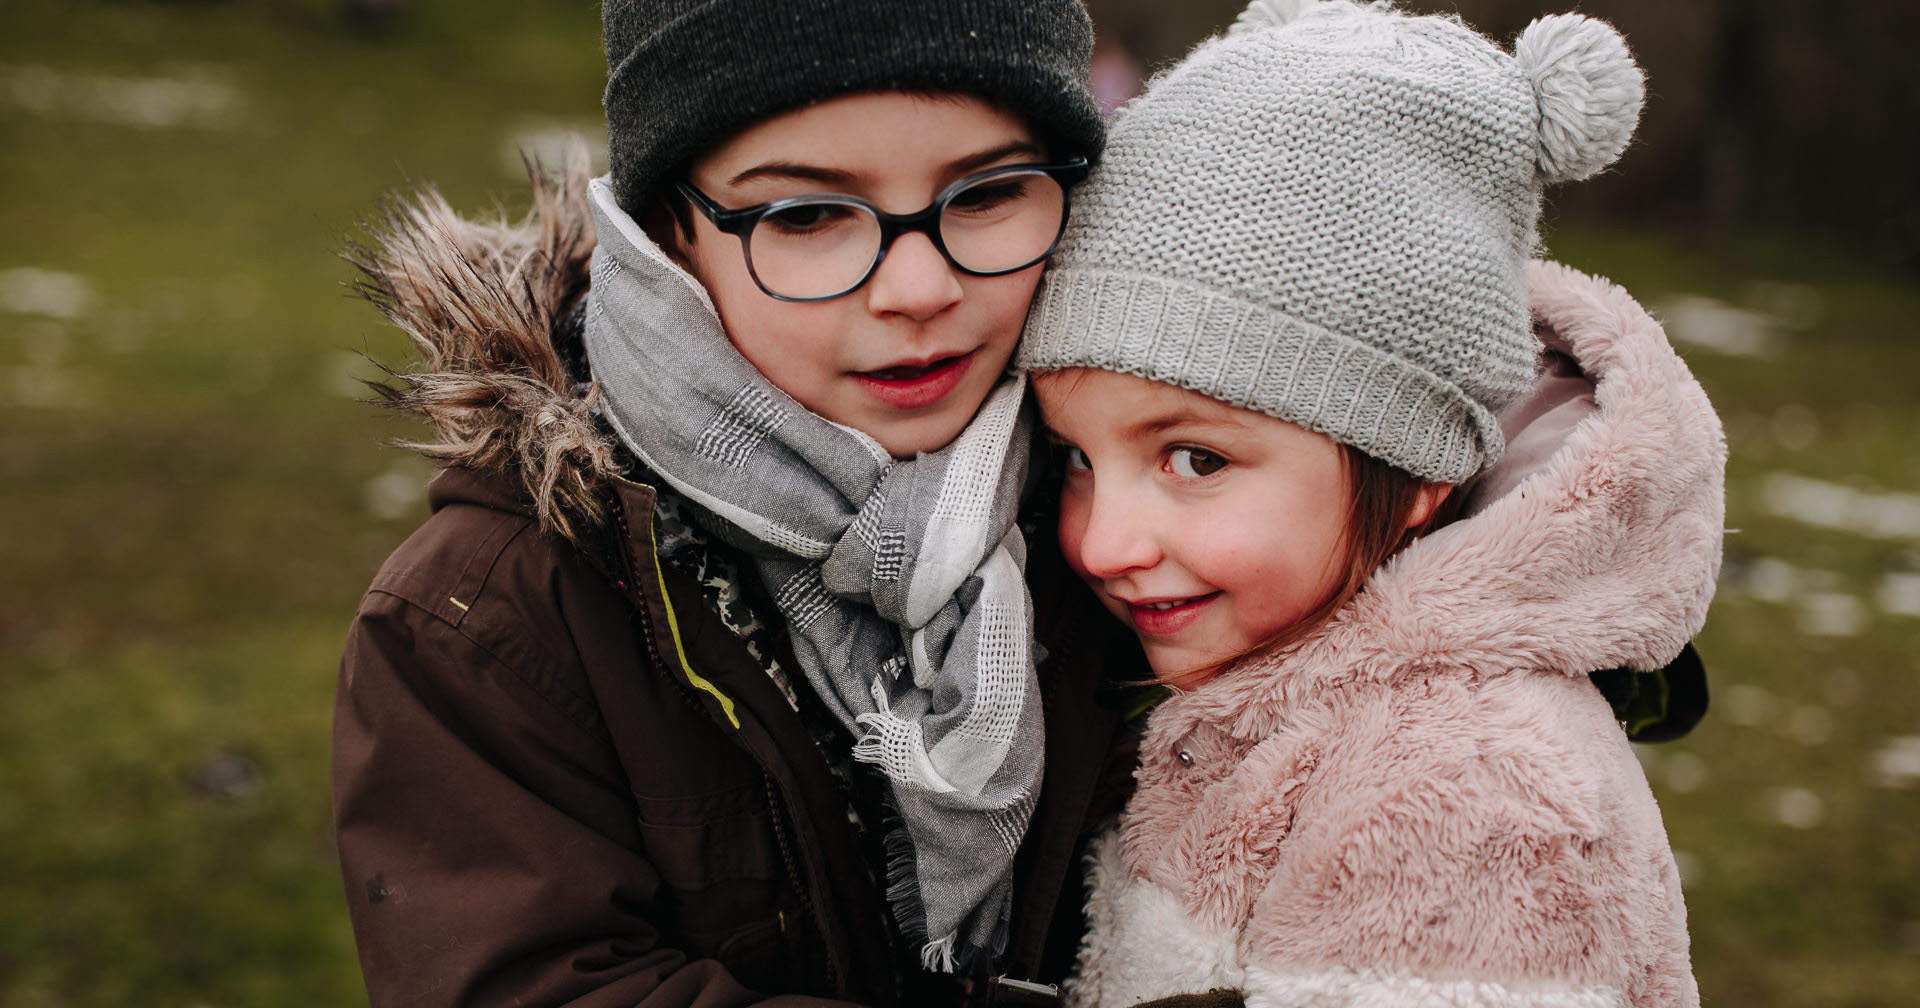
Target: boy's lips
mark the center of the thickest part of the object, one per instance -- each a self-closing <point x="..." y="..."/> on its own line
<point x="916" y="384"/>
<point x="1166" y="617"/>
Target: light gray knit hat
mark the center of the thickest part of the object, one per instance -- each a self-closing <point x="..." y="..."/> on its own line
<point x="1325" y="214"/>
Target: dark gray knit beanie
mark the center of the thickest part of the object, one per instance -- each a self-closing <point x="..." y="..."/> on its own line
<point x="1325" y="215"/>
<point x="684" y="74"/>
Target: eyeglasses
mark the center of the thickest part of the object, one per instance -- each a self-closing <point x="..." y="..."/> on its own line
<point x="820" y="247"/>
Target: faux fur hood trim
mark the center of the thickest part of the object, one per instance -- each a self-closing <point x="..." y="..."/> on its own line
<point x="1606" y="556"/>
<point x="481" y="300"/>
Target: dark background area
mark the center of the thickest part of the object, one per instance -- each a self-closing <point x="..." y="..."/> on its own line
<point x="1791" y="114"/>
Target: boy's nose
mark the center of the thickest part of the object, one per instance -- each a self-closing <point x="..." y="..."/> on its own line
<point x="1117" y="537"/>
<point x="914" y="280"/>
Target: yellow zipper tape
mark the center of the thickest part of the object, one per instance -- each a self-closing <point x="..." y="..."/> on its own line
<point x="673" y="625"/>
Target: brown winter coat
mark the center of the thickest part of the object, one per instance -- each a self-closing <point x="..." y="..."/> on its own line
<point x="559" y="779"/>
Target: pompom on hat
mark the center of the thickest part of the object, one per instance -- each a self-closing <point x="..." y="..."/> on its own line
<point x="1325" y="214"/>
<point x="1589" y="91"/>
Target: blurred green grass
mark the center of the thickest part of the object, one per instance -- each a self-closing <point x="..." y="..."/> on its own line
<point x="1804" y="886"/>
<point x="194" y="501"/>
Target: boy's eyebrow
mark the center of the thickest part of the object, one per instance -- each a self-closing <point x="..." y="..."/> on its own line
<point x="841" y="177"/>
<point x="973" y="162"/>
<point x="790" y="170"/>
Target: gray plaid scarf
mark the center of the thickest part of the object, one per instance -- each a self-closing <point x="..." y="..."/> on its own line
<point x="902" y="582"/>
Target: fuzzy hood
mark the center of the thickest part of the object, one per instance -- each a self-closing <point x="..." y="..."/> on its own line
<point x="1596" y="544"/>
<point x="488" y="304"/>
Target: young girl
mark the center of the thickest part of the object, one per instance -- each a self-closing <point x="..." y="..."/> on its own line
<point x="1376" y="493"/>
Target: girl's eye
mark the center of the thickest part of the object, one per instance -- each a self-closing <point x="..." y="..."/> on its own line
<point x="1075" y="459"/>
<point x="1193" y="463"/>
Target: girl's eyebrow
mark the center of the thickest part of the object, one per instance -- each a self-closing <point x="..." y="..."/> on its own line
<point x="842" y="178"/>
<point x="1160" y="423"/>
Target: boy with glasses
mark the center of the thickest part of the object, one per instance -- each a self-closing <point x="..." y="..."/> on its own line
<point x="713" y="676"/>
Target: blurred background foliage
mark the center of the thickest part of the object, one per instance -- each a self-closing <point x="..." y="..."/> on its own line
<point x="193" y="498"/>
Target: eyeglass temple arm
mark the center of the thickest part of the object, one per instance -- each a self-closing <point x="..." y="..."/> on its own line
<point x="733" y="222"/>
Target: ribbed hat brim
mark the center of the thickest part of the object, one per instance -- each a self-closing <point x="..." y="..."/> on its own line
<point x="1250" y="356"/>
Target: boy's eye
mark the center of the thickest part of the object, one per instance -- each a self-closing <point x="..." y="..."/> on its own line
<point x="1193" y="463"/>
<point x="807" y="217"/>
<point x="988" y="196"/>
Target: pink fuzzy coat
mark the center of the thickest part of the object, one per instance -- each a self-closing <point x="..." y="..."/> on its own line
<point x="1428" y="803"/>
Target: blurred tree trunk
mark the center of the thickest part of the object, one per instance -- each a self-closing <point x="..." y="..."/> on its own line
<point x="1733" y="110"/>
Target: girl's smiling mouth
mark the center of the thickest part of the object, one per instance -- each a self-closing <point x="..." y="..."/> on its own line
<point x="1166" y="617"/>
<point x="913" y="386"/>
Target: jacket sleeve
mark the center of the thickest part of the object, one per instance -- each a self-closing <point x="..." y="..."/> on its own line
<point x="487" y="836"/>
<point x="1497" y="879"/>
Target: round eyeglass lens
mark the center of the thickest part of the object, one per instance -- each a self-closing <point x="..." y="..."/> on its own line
<point x="1003" y="222"/>
<point x="813" y="247"/>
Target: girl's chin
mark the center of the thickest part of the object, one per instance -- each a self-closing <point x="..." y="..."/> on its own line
<point x="1184" y="669"/>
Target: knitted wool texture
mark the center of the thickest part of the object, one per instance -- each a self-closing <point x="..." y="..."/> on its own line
<point x="684" y="74"/>
<point x="1325" y="216"/>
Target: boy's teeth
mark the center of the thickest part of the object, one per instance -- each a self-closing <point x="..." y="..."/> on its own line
<point x="908" y="372"/>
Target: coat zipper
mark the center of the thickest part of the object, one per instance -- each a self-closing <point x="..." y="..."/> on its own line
<point x="775" y="806"/>
<point x="698" y="681"/>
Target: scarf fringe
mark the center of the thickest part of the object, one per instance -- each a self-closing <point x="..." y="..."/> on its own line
<point x="871" y="749"/>
<point x="903" y="886"/>
<point x="903" y="899"/>
<point x="940" y="955"/>
<point x="937" y="956"/>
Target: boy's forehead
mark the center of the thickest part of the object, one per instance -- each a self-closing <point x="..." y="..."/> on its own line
<point x="873" y="129"/>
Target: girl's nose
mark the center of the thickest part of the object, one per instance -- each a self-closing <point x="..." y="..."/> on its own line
<point x="1117" y="536"/>
<point x="914" y="280"/>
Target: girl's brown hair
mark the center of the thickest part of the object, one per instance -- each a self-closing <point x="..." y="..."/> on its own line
<point x="1383" y="498"/>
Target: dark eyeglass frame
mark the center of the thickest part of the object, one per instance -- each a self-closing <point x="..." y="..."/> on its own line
<point x="741" y="222"/>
